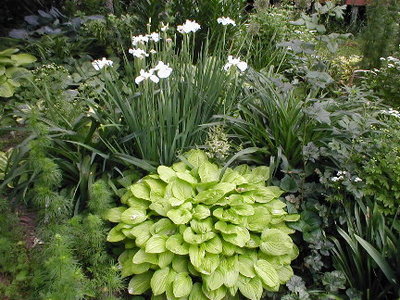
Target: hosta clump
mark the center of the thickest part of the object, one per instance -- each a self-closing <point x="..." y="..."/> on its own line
<point x="191" y="232"/>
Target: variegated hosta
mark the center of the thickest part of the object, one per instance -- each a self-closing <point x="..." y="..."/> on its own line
<point x="191" y="234"/>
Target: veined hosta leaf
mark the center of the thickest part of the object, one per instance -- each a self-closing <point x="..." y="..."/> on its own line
<point x="246" y="266"/>
<point x="197" y="293"/>
<point x="192" y="238"/>
<point x="177" y="245"/>
<point x="264" y="194"/>
<point x="161" y="207"/>
<point x="275" y="242"/>
<point x="201" y="212"/>
<point x="163" y="227"/>
<point x="139" y="284"/>
<point x="128" y="267"/>
<point x="228" y="249"/>
<point x="208" y="172"/>
<point x="243" y="209"/>
<point x="156" y="186"/>
<point x="226" y="187"/>
<point x="133" y="216"/>
<point x="217" y="294"/>
<point x="276" y="207"/>
<point x="228" y="215"/>
<point x="196" y="158"/>
<point x="196" y="255"/>
<point x="209" y="263"/>
<point x="254" y="241"/>
<point x="180" y="263"/>
<point x="230" y="268"/>
<point x="213" y="246"/>
<point x="251" y="288"/>
<point x="115" y="234"/>
<point x="209" y="197"/>
<point x="215" y="280"/>
<point x="260" y="220"/>
<point x="165" y="259"/>
<point x="166" y="173"/>
<point x="202" y="226"/>
<point x="114" y="214"/>
<point x="142" y="257"/>
<point x="179" y="215"/>
<point x="140" y="190"/>
<point x="267" y="273"/>
<point x="175" y="202"/>
<point x="181" y="189"/>
<point x="285" y="273"/>
<point x="225" y="227"/>
<point x="182" y="285"/>
<point x="156" y="244"/>
<point x="159" y="281"/>
<point x="137" y="203"/>
<point x="260" y="174"/>
<point x="234" y="177"/>
<point x="186" y="177"/>
<point x="180" y="167"/>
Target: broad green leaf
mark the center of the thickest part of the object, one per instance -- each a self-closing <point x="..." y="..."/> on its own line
<point x="243" y="209"/>
<point x="217" y="294"/>
<point x="202" y="226"/>
<point x="6" y="89"/>
<point x="226" y="187"/>
<point x="192" y="238"/>
<point x="260" y="174"/>
<point x="275" y="242"/>
<point x="142" y="257"/>
<point x="115" y="234"/>
<point x="175" y="202"/>
<point x="228" y="249"/>
<point x="140" y="190"/>
<point x="163" y="227"/>
<point x="276" y="207"/>
<point x="166" y="173"/>
<point x="291" y="218"/>
<point x="180" y="167"/>
<point x="209" y="263"/>
<point x="196" y="158"/>
<point x="180" y="263"/>
<point x="8" y="52"/>
<point x="161" y="207"/>
<point x="267" y="273"/>
<point x="227" y="214"/>
<point x="196" y="255"/>
<point x="254" y="241"/>
<point x="264" y="194"/>
<point x="137" y="203"/>
<point x="133" y="216"/>
<point x="177" y="245"/>
<point x="240" y="238"/>
<point x="197" y="293"/>
<point x="230" y="269"/>
<point x="234" y="177"/>
<point x="128" y="267"/>
<point x="285" y="273"/>
<point x="139" y="284"/>
<point x="201" y="212"/>
<point x="213" y="246"/>
<point x="182" y="285"/>
<point x="181" y="189"/>
<point x="114" y="214"/>
<point x="260" y="220"/>
<point x="165" y="259"/>
<point x="209" y="197"/>
<point x="156" y="186"/>
<point x="215" y="280"/>
<point x="23" y="59"/>
<point x="225" y="227"/>
<point x="208" y="172"/>
<point x="246" y="266"/>
<point x="179" y="215"/>
<point x="186" y="177"/>
<point x="251" y="288"/>
<point x="159" y="281"/>
<point x="156" y="244"/>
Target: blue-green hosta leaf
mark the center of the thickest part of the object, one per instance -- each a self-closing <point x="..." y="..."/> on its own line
<point x="133" y="216"/>
<point x="213" y="246"/>
<point x="139" y="284"/>
<point x="215" y="280"/>
<point x="165" y="259"/>
<point x="239" y="238"/>
<point x="156" y="186"/>
<point x="181" y="189"/>
<point x="163" y="227"/>
<point x="142" y="257"/>
<point x="114" y="214"/>
<point x="209" y="197"/>
<point x="191" y="237"/>
<point x="275" y="242"/>
<point x="285" y="273"/>
<point x="140" y="190"/>
<point x="179" y="215"/>
<point x="159" y="281"/>
<point x="251" y="288"/>
<point x="156" y="244"/>
<point x="246" y="266"/>
<point x="202" y="226"/>
<point x="234" y="177"/>
<point x="177" y="245"/>
<point x="196" y="158"/>
<point x="182" y="285"/>
<point x="217" y="294"/>
<point x="166" y="174"/>
<point x="201" y="212"/>
<point x="196" y="293"/>
<point x="186" y="177"/>
<point x="209" y="172"/>
<point x="267" y="274"/>
<point x="180" y="263"/>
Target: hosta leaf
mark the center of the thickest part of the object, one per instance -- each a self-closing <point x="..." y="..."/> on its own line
<point x="163" y="227"/>
<point x="156" y="186"/>
<point x="175" y="202"/>
<point x="128" y="267"/>
<point x="213" y="246"/>
<point x="156" y="244"/>
<point x="179" y="215"/>
<point x="230" y="269"/>
<point x="180" y="167"/>
<point x="142" y="257"/>
<point x="137" y="203"/>
<point x="276" y="207"/>
<point x="264" y="194"/>
<point x="140" y="190"/>
<point x="182" y="285"/>
<point x="260" y="174"/>
<point x="226" y="187"/>
<point x="243" y="209"/>
<point x="186" y="177"/>
<point x="23" y="59"/>
<point x="192" y="238"/>
<point x="251" y="288"/>
<point x="196" y="158"/>
<point x="139" y="284"/>
<point x="217" y="294"/>
<point x="115" y="234"/>
<point x="246" y="266"/>
<point x="254" y="241"/>
<point x="284" y="273"/>
<point x="180" y="263"/>
<point x="208" y="172"/>
<point x="228" y="249"/>
<point x="215" y="280"/>
<point x="114" y="214"/>
<point x="177" y="245"/>
<point x="260" y="220"/>
<point x="202" y="226"/>
<point x="197" y="293"/>
<point x="166" y="173"/>
<point x="240" y="238"/>
<point x="209" y="197"/>
<point x="226" y="227"/>
<point x="234" y="177"/>
<point x="181" y="189"/>
<point x="201" y="212"/>
<point x="267" y="273"/>
<point x="165" y="259"/>
<point x="133" y="216"/>
<point x="196" y="255"/>
<point x="209" y="263"/>
<point x="159" y="281"/>
<point x="275" y="242"/>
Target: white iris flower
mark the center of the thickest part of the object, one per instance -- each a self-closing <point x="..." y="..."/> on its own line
<point x="188" y="26"/>
<point x="146" y="75"/>
<point x="139" y="53"/>
<point x="241" y="65"/>
<point x="101" y="63"/>
<point x="226" y="21"/>
<point x="139" y="39"/>
<point x="163" y="70"/>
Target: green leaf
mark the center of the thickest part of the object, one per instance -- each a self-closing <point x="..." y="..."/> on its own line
<point x="156" y="186"/>
<point x="186" y="177"/>
<point x="209" y="197"/>
<point x="246" y="266"/>
<point x="165" y="259"/>
<point x="201" y="212"/>
<point x="6" y="89"/>
<point x="114" y="214"/>
<point x="115" y="234"/>
<point x="142" y="257"/>
<point x="215" y="280"/>
<point x="288" y="184"/>
<point x="209" y="172"/>
<point x="8" y="52"/>
<point x="140" y="190"/>
<point x="156" y="244"/>
<point x="163" y="227"/>
<point x="240" y="238"/>
<point x="166" y="173"/>
<point x="196" y="158"/>
<point x="251" y="288"/>
<point x="275" y="242"/>
<point x="213" y="246"/>
<point x="192" y="238"/>
<point x="217" y="294"/>
<point x="23" y="59"/>
<point x="267" y="273"/>
<point x="159" y="281"/>
<point x="182" y="285"/>
<point x="177" y="245"/>
<point x="234" y="177"/>
<point x="181" y="189"/>
<point x="202" y="226"/>
<point x="179" y="215"/>
<point x="260" y="174"/>
<point x="264" y="194"/>
<point x="133" y="216"/>
<point x="197" y="293"/>
<point x="284" y="273"/>
<point x="180" y="263"/>
<point x="230" y="268"/>
<point x="139" y="284"/>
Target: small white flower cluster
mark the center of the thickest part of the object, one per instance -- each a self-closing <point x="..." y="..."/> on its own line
<point x="188" y="26"/>
<point x="341" y="176"/>
<point x="143" y="39"/>
<point x="162" y="70"/>
<point x="391" y="112"/>
<point x="232" y="61"/>
<point x="226" y="21"/>
<point x="393" y="62"/>
<point x="139" y="53"/>
<point x="99" y="64"/>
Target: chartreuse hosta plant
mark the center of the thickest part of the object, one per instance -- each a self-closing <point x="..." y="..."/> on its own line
<point x="192" y="231"/>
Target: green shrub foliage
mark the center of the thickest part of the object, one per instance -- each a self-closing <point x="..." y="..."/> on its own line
<point x="199" y="231"/>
